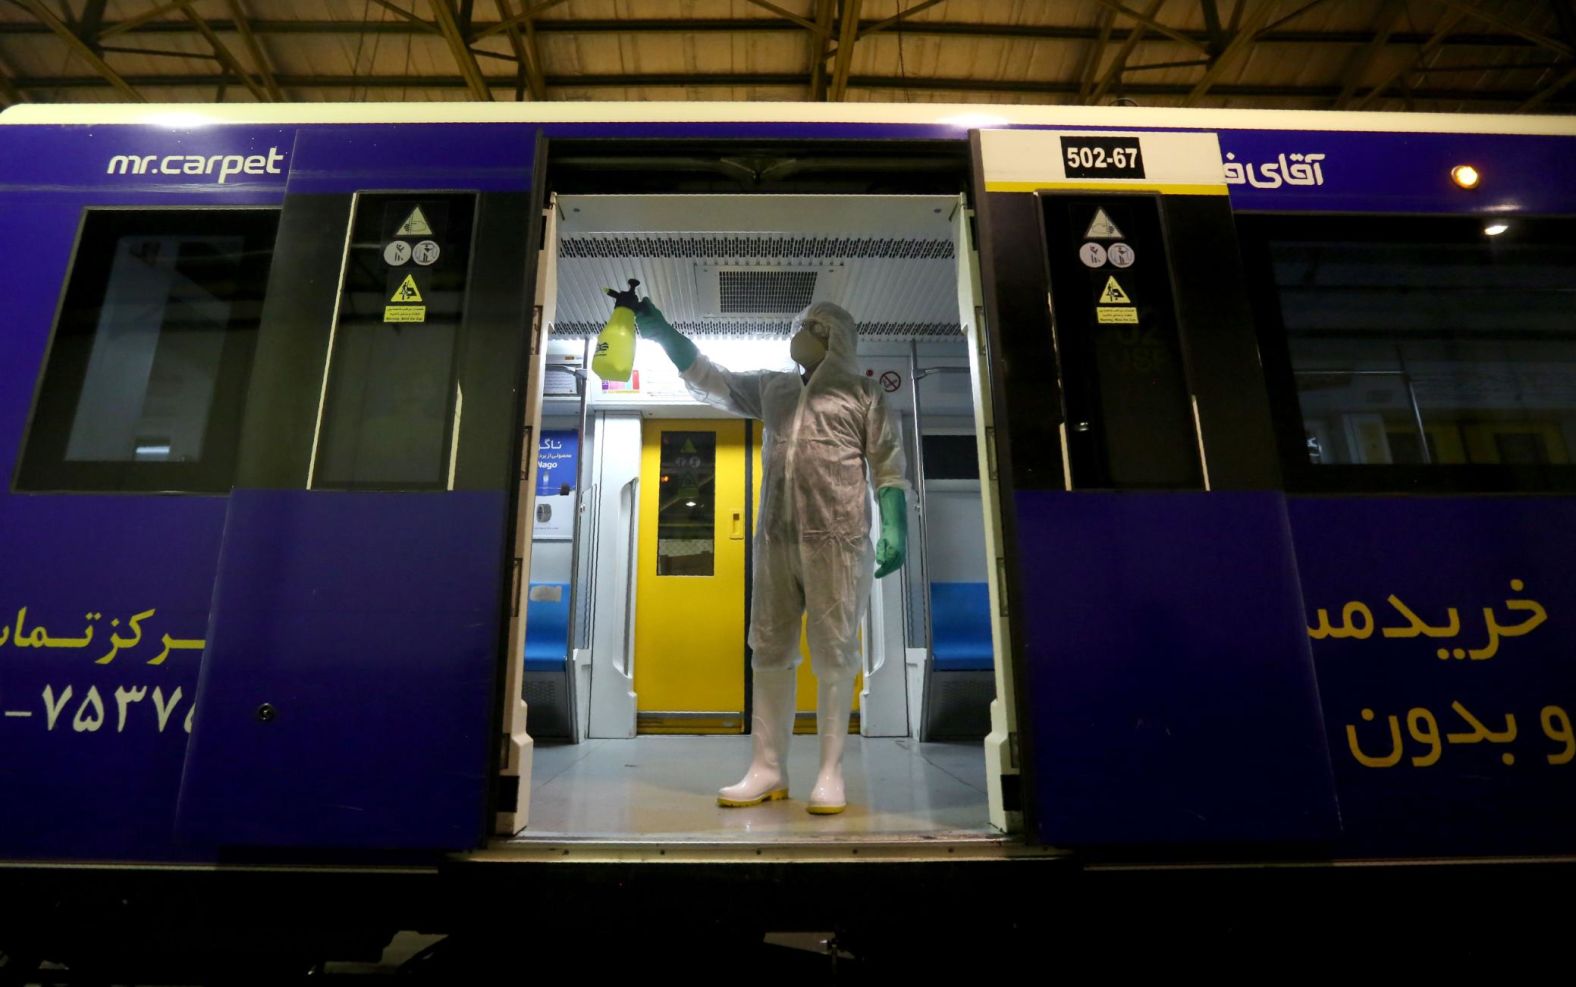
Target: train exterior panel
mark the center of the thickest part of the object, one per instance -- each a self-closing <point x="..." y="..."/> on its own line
<point x="278" y="666"/>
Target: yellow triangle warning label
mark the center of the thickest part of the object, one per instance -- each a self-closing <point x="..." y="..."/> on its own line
<point x="408" y="292"/>
<point x="415" y="224"/>
<point x="1112" y="295"/>
<point x="1101" y="228"/>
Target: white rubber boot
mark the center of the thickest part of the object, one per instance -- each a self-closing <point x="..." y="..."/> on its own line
<point x="834" y="704"/>
<point x="771" y="724"/>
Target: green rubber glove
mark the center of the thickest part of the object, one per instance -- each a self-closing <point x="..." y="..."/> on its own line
<point x="650" y="322"/>
<point x="892" y="549"/>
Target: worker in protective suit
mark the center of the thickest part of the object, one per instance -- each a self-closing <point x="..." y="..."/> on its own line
<point x="822" y="427"/>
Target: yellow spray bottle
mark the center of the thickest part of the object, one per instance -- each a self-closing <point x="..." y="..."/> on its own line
<point x="615" y="346"/>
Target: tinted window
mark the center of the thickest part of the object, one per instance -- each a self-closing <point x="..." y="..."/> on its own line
<point x="392" y="403"/>
<point x="1425" y="346"/>
<point x="146" y="377"/>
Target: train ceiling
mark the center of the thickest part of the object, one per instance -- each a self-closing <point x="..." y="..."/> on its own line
<point x="1495" y="56"/>
<point x="745" y="265"/>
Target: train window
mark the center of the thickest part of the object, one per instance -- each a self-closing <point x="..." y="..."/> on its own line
<point x="951" y="457"/>
<point x="1418" y="353"/>
<point x="686" y="509"/>
<point x="392" y="405"/>
<point x="147" y="372"/>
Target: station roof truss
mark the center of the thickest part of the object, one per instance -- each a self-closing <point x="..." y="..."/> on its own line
<point x="1494" y="56"/>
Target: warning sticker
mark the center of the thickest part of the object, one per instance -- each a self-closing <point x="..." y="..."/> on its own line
<point x="1123" y="315"/>
<point x="408" y="292"/>
<point x="1101" y="228"/>
<point x="1112" y="295"/>
<point x="404" y="313"/>
<point x="416" y="224"/>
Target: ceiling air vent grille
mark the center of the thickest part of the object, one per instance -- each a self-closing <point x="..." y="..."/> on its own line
<point x="750" y="292"/>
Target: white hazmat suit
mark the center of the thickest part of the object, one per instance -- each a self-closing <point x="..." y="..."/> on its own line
<point x="812" y="541"/>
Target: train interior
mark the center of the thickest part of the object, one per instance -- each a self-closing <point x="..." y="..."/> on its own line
<point x="635" y="663"/>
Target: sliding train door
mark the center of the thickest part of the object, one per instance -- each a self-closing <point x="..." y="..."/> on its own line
<point x="1165" y="688"/>
<point x="348" y="697"/>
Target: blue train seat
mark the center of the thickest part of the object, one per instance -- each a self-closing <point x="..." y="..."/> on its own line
<point x="960" y="626"/>
<point x="547" y="627"/>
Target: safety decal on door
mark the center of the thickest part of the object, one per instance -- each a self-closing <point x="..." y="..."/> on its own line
<point x="407" y="305"/>
<point x="1115" y="305"/>
<point x="415" y="224"/>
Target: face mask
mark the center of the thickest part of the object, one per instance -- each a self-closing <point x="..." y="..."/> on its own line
<point x="807" y="351"/>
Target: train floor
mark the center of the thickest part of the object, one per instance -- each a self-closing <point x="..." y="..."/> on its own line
<point x="665" y="787"/>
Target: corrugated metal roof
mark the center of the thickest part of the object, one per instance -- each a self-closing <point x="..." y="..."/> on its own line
<point x="1427" y="55"/>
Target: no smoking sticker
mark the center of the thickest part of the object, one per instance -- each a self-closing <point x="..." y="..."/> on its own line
<point x="891" y="381"/>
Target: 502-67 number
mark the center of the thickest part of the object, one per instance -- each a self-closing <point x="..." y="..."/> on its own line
<point x="1102" y="156"/>
<point x="1122" y="158"/>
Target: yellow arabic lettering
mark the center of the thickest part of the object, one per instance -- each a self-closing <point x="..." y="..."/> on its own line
<point x="1539" y="615"/>
<point x="1418" y="626"/>
<point x="90" y="715"/>
<point x="1348" y="627"/>
<point x="75" y="642"/>
<point x="1481" y="733"/>
<point x="5" y="634"/>
<point x="123" y="698"/>
<point x="1351" y="610"/>
<point x="1387" y="761"/>
<point x="51" y="708"/>
<point x="119" y="642"/>
<point x="1550" y="716"/>
<point x="1490" y="649"/>
<point x="165" y="709"/>
<point x="1417" y="716"/>
<point x="177" y="644"/>
<point x="36" y="638"/>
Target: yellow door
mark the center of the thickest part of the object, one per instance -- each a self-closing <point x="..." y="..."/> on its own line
<point x="804" y="712"/>
<point x="689" y="595"/>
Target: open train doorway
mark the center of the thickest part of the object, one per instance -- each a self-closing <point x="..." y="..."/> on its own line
<point x="637" y="666"/>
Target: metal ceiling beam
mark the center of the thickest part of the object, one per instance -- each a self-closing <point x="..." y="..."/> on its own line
<point x="1287" y="19"/>
<point x="243" y="27"/>
<point x="896" y="18"/>
<point x="1361" y="62"/>
<point x="847" y="34"/>
<point x="1217" y="34"/>
<point x="1543" y="95"/>
<point x="824" y="12"/>
<point x="786" y="79"/>
<point x="528" y="13"/>
<point x="1114" y="73"/>
<point x="522" y="38"/>
<point x="1506" y="24"/>
<point x="147" y="16"/>
<point x="80" y="48"/>
<point x="1149" y="21"/>
<point x="1441" y="34"/>
<point x="786" y="15"/>
<point x="9" y="93"/>
<point x="226" y="59"/>
<point x="1050" y="32"/>
<point x="471" y="72"/>
<point x="92" y="20"/>
<point x="1092" y="56"/>
<point x="416" y="23"/>
<point x="1241" y="42"/>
